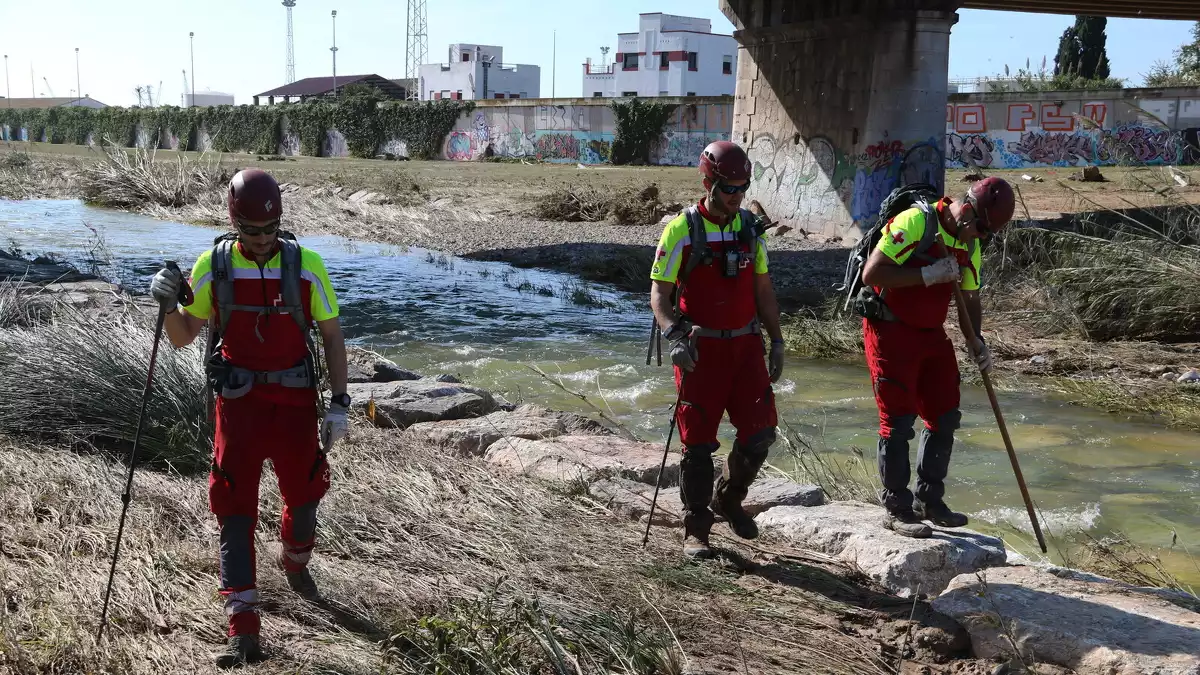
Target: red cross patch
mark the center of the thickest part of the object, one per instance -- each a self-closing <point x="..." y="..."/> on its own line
<point x="898" y="238"/>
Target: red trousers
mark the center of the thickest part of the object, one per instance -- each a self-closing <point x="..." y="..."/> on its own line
<point x="250" y="430"/>
<point x="730" y="375"/>
<point x="914" y="371"/>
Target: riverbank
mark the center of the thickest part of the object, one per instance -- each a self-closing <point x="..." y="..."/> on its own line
<point x="462" y="528"/>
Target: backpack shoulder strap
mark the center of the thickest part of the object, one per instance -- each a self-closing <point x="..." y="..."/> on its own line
<point x="291" y="270"/>
<point x="222" y="271"/>
<point x="699" y="238"/>
<point x="929" y="236"/>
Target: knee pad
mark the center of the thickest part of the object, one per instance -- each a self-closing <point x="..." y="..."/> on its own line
<point x="237" y="551"/>
<point x="948" y="422"/>
<point x="304" y="522"/>
<point x="759" y="444"/>
<point x="900" y="428"/>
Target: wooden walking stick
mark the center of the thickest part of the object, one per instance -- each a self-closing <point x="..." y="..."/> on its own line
<point x="965" y="319"/>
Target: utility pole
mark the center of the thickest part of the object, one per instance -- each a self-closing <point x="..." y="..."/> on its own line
<point x="78" y="89"/>
<point x="554" y="68"/>
<point x="334" y="50"/>
<point x="7" y="93"/>
<point x="192" y="49"/>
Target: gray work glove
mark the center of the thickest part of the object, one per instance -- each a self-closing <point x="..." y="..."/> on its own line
<point x="335" y="426"/>
<point x="683" y="348"/>
<point x="164" y="288"/>
<point x="775" y="360"/>
<point x="982" y="355"/>
<point x="943" y="271"/>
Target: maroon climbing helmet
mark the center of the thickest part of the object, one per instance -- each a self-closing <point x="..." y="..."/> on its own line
<point x="724" y="161"/>
<point x="993" y="201"/>
<point x="254" y="196"/>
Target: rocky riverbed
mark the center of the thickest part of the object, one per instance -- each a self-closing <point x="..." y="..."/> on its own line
<point x="1015" y="613"/>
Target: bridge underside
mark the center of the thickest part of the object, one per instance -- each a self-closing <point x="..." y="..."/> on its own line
<point x="840" y="101"/>
<point x="1134" y="9"/>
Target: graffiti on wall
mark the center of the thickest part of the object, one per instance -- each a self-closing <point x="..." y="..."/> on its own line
<point x="1066" y="134"/>
<point x="813" y="181"/>
<point x="683" y="148"/>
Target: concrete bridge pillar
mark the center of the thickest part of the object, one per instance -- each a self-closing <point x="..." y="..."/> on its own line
<point x="838" y="102"/>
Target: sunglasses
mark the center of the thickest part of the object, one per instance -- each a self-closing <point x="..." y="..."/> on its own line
<point x="252" y="230"/>
<point x="733" y="189"/>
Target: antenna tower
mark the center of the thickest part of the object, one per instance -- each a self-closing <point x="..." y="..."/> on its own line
<point x="290" y="75"/>
<point x="417" y="46"/>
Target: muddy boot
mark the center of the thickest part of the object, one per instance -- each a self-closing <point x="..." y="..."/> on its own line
<point x="741" y="467"/>
<point x="939" y="514"/>
<point x="242" y="650"/>
<point x="302" y="583"/>
<point x="696" y="527"/>
<point x="906" y="524"/>
<point x="695" y="491"/>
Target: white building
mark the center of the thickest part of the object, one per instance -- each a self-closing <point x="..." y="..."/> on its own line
<point x="207" y="98"/>
<point x="668" y="56"/>
<point x="478" y="72"/>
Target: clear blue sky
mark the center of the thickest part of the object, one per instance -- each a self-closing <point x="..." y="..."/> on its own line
<point x="239" y="45"/>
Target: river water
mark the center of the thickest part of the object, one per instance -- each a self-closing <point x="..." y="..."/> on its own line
<point x="488" y="323"/>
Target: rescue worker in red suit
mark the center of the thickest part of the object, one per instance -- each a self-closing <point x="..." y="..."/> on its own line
<point x="724" y="304"/>
<point x="914" y="370"/>
<point x="265" y="351"/>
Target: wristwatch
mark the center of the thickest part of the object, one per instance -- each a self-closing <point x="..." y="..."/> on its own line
<point x="341" y="399"/>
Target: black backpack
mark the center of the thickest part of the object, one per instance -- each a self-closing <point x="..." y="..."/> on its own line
<point x="920" y="195"/>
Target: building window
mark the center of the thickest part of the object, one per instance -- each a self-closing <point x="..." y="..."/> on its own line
<point x="445" y="93"/>
<point x="664" y="61"/>
<point x="631" y="61"/>
<point x="629" y="93"/>
<point x="727" y="68"/>
<point x="437" y="95"/>
<point x="499" y="96"/>
<point x="466" y="57"/>
<point x="692" y="59"/>
<point x="597" y="94"/>
<point x="523" y="94"/>
<point x="691" y="93"/>
<point x="458" y="95"/>
<point x="664" y="93"/>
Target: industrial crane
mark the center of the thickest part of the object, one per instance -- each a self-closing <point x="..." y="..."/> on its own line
<point x="48" y="87"/>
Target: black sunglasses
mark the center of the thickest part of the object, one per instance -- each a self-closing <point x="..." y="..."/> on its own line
<point x="733" y="189"/>
<point x="253" y="230"/>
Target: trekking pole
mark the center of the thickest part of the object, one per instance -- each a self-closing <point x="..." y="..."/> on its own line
<point x="185" y="297"/>
<point x="663" y="466"/>
<point x="965" y="318"/>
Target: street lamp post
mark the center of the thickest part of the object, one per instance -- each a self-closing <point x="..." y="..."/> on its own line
<point x="334" y="50"/>
<point x="78" y="89"/>
<point x="192" y="40"/>
<point x="7" y="92"/>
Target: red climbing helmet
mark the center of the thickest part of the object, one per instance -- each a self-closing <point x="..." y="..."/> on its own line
<point x="724" y="161"/>
<point x="993" y="201"/>
<point x="254" y="196"/>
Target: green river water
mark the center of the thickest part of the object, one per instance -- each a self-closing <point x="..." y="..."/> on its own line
<point x="488" y="322"/>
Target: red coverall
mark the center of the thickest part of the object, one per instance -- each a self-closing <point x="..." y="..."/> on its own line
<point x="914" y="370"/>
<point x="268" y="422"/>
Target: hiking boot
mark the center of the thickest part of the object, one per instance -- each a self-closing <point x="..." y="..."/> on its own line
<point x="740" y="522"/>
<point x="302" y="583"/>
<point x="696" y="527"/>
<point x="907" y="524"/>
<point x="696" y="548"/>
<point x="242" y="650"/>
<point x="741" y="468"/>
<point x="940" y="514"/>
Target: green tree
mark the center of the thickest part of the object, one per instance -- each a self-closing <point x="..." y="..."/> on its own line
<point x="1082" y="49"/>
<point x="1186" y="69"/>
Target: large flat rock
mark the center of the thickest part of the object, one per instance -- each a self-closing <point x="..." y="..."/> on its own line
<point x="475" y="436"/>
<point x="853" y="532"/>
<point x="632" y="499"/>
<point x="403" y="404"/>
<point x="1085" y="623"/>
<point x="583" y="457"/>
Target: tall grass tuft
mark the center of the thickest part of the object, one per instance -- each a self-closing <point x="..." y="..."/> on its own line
<point x="134" y="178"/>
<point x="841" y="477"/>
<point x="79" y="380"/>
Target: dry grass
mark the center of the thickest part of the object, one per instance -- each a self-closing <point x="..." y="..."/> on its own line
<point x="24" y="175"/>
<point x="413" y="546"/>
<point x="841" y="477"/>
<point x="78" y="379"/>
<point x="134" y="178"/>
<point x="623" y="205"/>
<point x="810" y="336"/>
